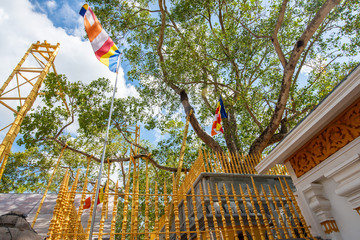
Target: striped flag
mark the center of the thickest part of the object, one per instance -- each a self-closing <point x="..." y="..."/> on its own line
<point x="87" y="203"/>
<point x="104" y="48"/>
<point x="219" y="113"/>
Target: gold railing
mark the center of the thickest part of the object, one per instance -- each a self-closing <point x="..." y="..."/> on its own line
<point x="252" y="206"/>
<point x="225" y="163"/>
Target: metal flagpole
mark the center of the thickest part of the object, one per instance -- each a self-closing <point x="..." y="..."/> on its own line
<point x="104" y="150"/>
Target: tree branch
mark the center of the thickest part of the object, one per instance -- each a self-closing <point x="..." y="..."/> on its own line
<point x="207" y="139"/>
<point x="274" y="37"/>
<point x="251" y="32"/>
<point x="253" y="116"/>
<point x="66" y="125"/>
<point x="124" y="159"/>
<point x="261" y="142"/>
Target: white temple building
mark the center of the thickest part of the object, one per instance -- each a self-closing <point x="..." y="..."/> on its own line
<point x="322" y="155"/>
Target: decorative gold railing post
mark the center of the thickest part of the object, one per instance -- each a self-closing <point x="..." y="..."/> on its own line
<point x="307" y="231"/>
<point x="156" y="204"/>
<point x="125" y="209"/>
<point x="166" y="213"/>
<point x="187" y="222"/>
<point x="108" y="180"/>
<point x="48" y="186"/>
<point x="237" y="206"/>
<point x="275" y="224"/>
<point x="135" y="204"/>
<point x="285" y="231"/>
<point x="103" y="210"/>
<point x="262" y="210"/>
<point x="54" y="227"/>
<point x="247" y="213"/>
<point x="91" y="210"/>
<point x="147" y="198"/>
<point x="291" y="209"/>
<point x="236" y="163"/>
<point x="176" y="212"/>
<point x="113" y="220"/>
<point x="285" y="212"/>
<point x="203" y="207"/>
<point x="257" y="219"/>
<point x="196" y="219"/>
<point x="241" y="165"/>
<point x="245" y="164"/>
<point x="233" y="225"/>
<point x="222" y="212"/>
<point x="213" y="212"/>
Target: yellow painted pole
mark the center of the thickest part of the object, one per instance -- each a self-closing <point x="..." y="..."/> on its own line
<point x="247" y="213"/>
<point x="262" y="209"/>
<point x="275" y="224"/>
<point x="196" y="219"/>
<point x="48" y="186"/>
<point x="203" y="207"/>
<point x="222" y="212"/>
<point x="113" y="221"/>
<point x="233" y="225"/>
<point x="237" y="205"/>
<point x="257" y="219"/>
<point x="213" y="212"/>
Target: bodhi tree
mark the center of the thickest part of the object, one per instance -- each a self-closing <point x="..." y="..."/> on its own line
<point x="78" y="127"/>
<point x="271" y="61"/>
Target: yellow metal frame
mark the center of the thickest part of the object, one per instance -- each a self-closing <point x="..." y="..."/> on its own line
<point x="44" y="54"/>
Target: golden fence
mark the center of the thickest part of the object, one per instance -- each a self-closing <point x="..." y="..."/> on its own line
<point x="214" y="201"/>
<point x="225" y="163"/>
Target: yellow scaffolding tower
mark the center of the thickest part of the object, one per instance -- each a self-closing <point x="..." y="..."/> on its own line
<point x="15" y="94"/>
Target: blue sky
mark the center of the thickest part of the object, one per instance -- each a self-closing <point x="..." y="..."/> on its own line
<point x="23" y="22"/>
<point x="62" y="13"/>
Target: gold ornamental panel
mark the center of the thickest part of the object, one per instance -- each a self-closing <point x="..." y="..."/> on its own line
<point x="341" y="131"/>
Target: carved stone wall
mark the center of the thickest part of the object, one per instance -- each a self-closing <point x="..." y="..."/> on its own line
<point x="341" y="131"/>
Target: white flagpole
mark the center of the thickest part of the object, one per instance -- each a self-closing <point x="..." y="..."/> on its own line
<point x="104" y="150"/>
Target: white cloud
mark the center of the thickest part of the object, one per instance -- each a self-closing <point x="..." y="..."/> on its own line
<point x="51" y="5"/>
<point x="20" y="27"/>
<point x="3" y="15"/>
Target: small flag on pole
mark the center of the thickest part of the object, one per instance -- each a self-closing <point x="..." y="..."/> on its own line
<point x="101" y="195"/>
<point x="104" y="48"/>
<point x="87" y="203"/>
<point x="219" y="113"/>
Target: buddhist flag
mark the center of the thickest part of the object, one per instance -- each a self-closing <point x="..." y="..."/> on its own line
<point x="87" y="203"/>
<point x="101" y="194"/>
<point x="104" y="48"/>
<point x="219" y="113"/>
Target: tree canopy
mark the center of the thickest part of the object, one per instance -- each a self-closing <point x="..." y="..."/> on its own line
<point x="271" y="61"/>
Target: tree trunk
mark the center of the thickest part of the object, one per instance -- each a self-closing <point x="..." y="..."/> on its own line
<point x="200" y="132"/>
<point x="230" y="132"/>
